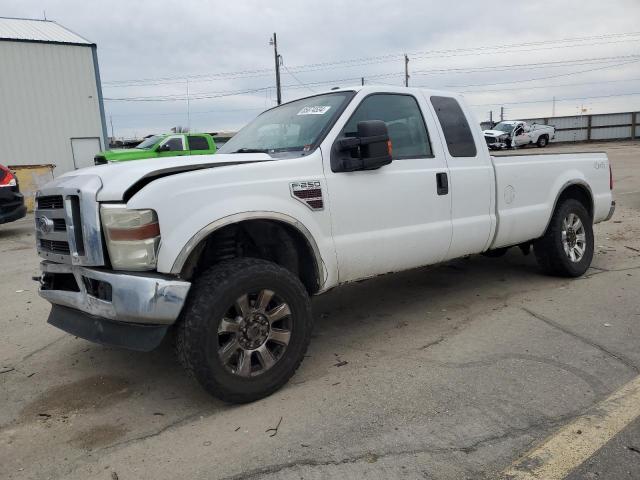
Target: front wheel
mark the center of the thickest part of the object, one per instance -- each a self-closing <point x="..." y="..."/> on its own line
<point x="566" y="249"/>
<point x="245" y="329"/>
<point x="542" y="141"/>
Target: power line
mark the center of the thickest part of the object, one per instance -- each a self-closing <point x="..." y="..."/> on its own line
<point x="298" y="80"/>
<point x="375" y="59"/>
<point x="546" y="100"/>
<point x="541" y="78"/>
<point x="218" y="94"/>
<point x="226" y="93"/>
<point x="551" y="86"/>
<point x="528" y="66"/>
<point x="199" y="112"/>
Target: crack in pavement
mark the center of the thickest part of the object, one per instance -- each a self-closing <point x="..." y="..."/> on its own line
<point x="512" y="432"/>
<point x="35" y="352"/>
<point x="618" y="356"/>
<point x="605" y="270"/>
<point x="177" y="423"/>
<point x="124" y="443"/>
<point x="594" y="383"/>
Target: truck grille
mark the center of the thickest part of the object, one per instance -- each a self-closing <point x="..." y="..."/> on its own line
<point x="59" y="225"/>
<point x="55" y="246"/>
<point x="68" y="221"/>
<point x="490" y="140"/>
<point x="50" y="202"/>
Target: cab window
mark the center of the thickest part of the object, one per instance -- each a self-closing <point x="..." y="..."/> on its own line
<point x="174" y="143"/>
<point x="455" y="127"/>
<point x="402" y="115"/>
<point x="197" y="143"/>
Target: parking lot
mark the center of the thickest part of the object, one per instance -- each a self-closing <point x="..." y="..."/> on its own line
<point x="453" y="371"/>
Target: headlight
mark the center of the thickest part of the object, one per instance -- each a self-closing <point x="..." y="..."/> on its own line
<point x="132" y="237"/>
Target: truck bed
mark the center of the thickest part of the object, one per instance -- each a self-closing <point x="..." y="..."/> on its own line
<point x="527" y="186"/>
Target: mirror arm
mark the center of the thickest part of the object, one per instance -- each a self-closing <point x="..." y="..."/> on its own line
<point x="374" y="139"/>
<point x="348" y="143"/>
<point x="353" y="142"/>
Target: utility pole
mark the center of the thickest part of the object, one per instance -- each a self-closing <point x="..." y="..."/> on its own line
<point x="501" y="113"/>
<point x="274" y="42"/>
<point x="188" y="108"/>
<point x="553" y="107"/>
<point x="113" y="138"/>
<point x="362" y="81"/>
<point x="491" y="117"/>
<point x="406" y="70"/>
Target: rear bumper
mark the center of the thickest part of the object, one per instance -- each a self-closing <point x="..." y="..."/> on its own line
<point x="612" y="209"/>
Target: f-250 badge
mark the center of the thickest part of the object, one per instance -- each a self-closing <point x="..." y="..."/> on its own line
<point x="309" y="193"/>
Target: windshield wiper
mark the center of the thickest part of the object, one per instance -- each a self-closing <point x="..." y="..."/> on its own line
<point x="251" y="150"/>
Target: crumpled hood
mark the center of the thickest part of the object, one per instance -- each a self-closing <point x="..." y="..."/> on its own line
<point x="494" y="133"/>
<point x="118" y="178"/>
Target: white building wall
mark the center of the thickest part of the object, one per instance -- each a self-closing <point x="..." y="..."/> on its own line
<point x="48" y="95"/>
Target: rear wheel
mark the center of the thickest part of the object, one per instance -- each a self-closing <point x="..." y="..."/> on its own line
<point x="245" y="329"/>
<point x="566" y="249"/>
<point x="542" y="141"/>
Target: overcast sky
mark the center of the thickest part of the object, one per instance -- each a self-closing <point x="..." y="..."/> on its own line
<point x="164" y="42"/>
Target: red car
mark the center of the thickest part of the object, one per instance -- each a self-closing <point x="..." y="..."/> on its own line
<point x="11" y="200"/>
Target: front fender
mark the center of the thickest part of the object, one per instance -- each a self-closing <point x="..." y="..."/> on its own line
<point x="207" y="230"/>
<point x="193" y="204"/>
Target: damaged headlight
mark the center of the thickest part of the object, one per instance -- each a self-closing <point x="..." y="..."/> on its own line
<point x="132" y="237"/>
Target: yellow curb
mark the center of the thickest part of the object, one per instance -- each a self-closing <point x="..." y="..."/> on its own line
<point x="570" y="446"/>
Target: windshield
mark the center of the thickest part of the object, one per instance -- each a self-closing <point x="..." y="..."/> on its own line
<point x="504" y="127"/>
<point x="149" y="142"/>
<point x="296" y="126"/>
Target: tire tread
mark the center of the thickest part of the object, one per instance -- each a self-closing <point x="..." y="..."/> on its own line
<point x="192" y="325"/>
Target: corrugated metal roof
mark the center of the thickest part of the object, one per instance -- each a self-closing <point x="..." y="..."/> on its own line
<point x="24" y="29"/>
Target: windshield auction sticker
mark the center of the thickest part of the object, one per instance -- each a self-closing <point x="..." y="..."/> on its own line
<point x="317" y="110"/>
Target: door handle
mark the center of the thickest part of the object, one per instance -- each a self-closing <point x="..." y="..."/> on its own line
<point x="442" y="183"/>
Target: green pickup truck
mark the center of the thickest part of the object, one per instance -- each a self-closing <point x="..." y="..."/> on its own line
<point x="168" y="145"/>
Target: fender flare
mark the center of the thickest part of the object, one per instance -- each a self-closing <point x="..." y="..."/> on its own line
<point x="580" y="183"/>
<point x="204" y="232"/>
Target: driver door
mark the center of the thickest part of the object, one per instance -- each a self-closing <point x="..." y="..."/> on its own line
<point x="396" y="217"/>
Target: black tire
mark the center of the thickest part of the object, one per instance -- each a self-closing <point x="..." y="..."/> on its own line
<point x="550" y="250"/>
<point x="209" y="301"/>
<point x="543" y="141"/>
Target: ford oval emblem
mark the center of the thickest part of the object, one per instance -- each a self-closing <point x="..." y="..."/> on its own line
<point x="44" y="225"/>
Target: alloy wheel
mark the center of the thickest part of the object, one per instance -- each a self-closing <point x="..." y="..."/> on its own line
<point x="574" y="238"/>
<point x="254" y="333"/>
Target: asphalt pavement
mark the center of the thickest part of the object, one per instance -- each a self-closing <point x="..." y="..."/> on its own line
<point x="453" y="371"/>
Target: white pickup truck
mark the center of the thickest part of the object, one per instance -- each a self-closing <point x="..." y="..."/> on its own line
<point x="225" y="250"/>
<point x="516" y="133"/>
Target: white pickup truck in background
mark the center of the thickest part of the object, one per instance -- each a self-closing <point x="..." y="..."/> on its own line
<point x="225" y="250"/>
<point x="516" y="133"/>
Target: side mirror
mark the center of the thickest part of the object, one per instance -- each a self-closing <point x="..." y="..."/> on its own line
<point x="369" y="150"/>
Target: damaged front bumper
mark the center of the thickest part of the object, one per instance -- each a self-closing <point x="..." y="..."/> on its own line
<point x="130" y="310"/>
<point x="496" y="143"/>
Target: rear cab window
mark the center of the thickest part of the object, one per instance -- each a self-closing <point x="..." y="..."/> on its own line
<point x="405" y="124"/>
<point x="455" y="127"/>
<point x="197" y="142"/>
